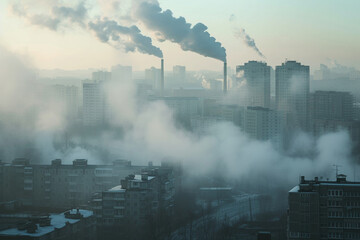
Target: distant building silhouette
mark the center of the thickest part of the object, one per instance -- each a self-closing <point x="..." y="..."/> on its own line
<point x="93" y="103"/>
<point x="179" y="73"/>
<point x="292" y="93"/>
<point x="101" y="76"/>
<point x="257" y="77"/>
<point x="69" y="96"/>
<point x="121" y="73"/>
<point x="153" y="76"/>
<point x="264" y="124"/>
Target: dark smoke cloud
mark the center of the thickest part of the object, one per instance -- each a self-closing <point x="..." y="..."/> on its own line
<point x="177" y="30"/>
<point x="109" y="30"/>
<point x="44" y="21"/>
<point x="75" y="15"/>
<point x="249" y="41"/>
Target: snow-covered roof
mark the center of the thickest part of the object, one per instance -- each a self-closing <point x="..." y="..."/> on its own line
<point x="57" y="221"/>
<point x="117" y="189"/>
<point x="216" y="189"/>
<point x="138" y="177"/>
<point x="295" y="189"/>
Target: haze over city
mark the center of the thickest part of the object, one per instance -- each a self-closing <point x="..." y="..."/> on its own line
<point x="186" y="120"/>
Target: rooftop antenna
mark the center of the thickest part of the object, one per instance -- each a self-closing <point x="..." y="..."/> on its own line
<point x="336" y="169"/>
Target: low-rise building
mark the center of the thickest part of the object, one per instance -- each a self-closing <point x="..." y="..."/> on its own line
<point x="324" y="209"/>
<point x="139" y="197"/>
<point x="60" y="185"/>
<point x="72" y="224"/>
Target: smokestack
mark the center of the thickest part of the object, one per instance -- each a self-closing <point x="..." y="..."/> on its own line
<point x="162" y="77"/>
<point x="225" y="78"/>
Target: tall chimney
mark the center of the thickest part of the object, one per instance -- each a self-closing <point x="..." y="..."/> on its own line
<point x="225" y="78"/>
<point x="162" y="77"/>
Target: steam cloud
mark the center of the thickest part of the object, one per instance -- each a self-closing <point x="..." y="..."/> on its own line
<point x="107" y="30"/>
<point x="33" y="122"/>
<point x="249" y="41"/>
<point x="177" y="30"/>
<point x="29" y="116"/>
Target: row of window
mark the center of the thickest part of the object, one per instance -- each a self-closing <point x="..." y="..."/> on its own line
<point x="340" y="193"/>
<point x="348" y="214"/>
<point x="341" y="236"/>
<point x="300" y="235"/>
<point x="335" y="192"/>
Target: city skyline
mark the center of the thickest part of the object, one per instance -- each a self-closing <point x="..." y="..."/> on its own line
<point x="179" y="120"/>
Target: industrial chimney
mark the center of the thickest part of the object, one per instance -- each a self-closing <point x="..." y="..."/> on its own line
<point x="225" y="78"/>
<point x="162" y="77"/>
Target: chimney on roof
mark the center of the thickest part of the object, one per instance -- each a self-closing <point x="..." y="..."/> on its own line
<point x="302" y="179"/>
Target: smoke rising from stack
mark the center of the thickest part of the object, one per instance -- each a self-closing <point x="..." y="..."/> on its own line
<point x="177" y="30"/>
<point x="128" y="37"/>
<point x="249" y="41"/>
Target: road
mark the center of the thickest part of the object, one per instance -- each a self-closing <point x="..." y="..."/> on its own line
<point x="245" y="206"/>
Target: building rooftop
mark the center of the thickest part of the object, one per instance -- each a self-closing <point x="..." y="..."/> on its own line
<point x="215" y="189"/>
<point x="117" y="189"/>
<point x="295" y="189"/>
<point x="306" y="185"/>
<point x="138" y="177"/>
<point x="57" y="221"/>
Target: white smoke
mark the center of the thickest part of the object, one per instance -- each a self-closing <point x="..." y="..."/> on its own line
<point x="249" y="41"/>
<point x="27" y="110"/>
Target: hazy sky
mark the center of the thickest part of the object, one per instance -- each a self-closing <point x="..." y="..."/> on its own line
<point x="305" y="30"/>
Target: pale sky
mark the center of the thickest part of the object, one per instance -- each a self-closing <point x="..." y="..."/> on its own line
<point x="304" y="30"/>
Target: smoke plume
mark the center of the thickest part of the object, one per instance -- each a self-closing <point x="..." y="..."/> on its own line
<point x="191" y="38"/>
<point x="129" y="37"/>
<point x="59" y="15"/>
<point x="249" y="41"/>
